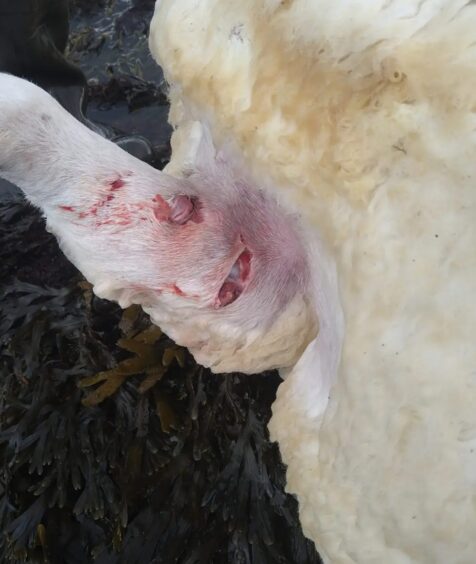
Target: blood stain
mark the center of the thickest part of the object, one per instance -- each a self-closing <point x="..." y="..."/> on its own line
<point x="116" y="184"/>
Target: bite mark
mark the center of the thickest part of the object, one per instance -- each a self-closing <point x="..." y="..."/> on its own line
<point x="161" y="208"/>
<point x="116" y="184"/>
<point x="236" y="281"/>
<point x="176" y="290"/>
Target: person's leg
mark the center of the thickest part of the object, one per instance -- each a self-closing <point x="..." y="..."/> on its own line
<point x="57" y="21"/>
<point x="33" y="38"/>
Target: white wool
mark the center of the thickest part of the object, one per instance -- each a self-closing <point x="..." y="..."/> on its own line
<point x="362" y="115"/>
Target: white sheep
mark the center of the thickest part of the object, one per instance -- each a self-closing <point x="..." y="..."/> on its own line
<point x="361" y="117"/>
<point x="215" y="263"/>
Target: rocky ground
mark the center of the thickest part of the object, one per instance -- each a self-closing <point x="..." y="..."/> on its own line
<point x="115" y="447"/>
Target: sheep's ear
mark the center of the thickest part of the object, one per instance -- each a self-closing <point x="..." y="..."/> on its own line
<point x="192" y="150"/>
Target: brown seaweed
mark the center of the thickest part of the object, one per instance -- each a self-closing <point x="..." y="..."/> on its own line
<point x="172" y="465"/>
<point x="115" y="447"/>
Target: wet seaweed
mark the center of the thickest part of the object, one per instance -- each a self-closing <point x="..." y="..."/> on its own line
<point x="171" y="464"/>
<point x="134" y="91"/>
<point x="115" y="446"/>
<point x="27" y="249"/>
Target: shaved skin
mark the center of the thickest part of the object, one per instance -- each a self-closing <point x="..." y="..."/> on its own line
<point x="106" y="211"/>
<point x="210" y="244"/>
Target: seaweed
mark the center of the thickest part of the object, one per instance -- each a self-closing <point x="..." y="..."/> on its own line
<point x="134" y="91"/>
<point x="26" y="248"/>
<point x="115" y="446"/>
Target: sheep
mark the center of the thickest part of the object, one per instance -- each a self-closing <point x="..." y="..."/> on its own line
<point x="219" y="266"/>
<point x="360" y="117"/>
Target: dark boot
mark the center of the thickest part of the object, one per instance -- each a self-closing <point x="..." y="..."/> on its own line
<point x="33" y="38"/>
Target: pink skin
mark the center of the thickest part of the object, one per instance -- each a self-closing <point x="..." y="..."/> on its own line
<point x="179" y="211"/>
<point x="235" y="282"/>
<point x="211" y="257"/>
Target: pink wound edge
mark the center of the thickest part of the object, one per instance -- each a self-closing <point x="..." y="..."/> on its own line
<point x="228" y="293"/>
<point x="161" y="208"/>
<point x="175" y="290"/>
<point x="235" y="282"/>
<point x="116" y="184"/>
<point x="244" y="264"/>
<point x="181" y="210"/>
